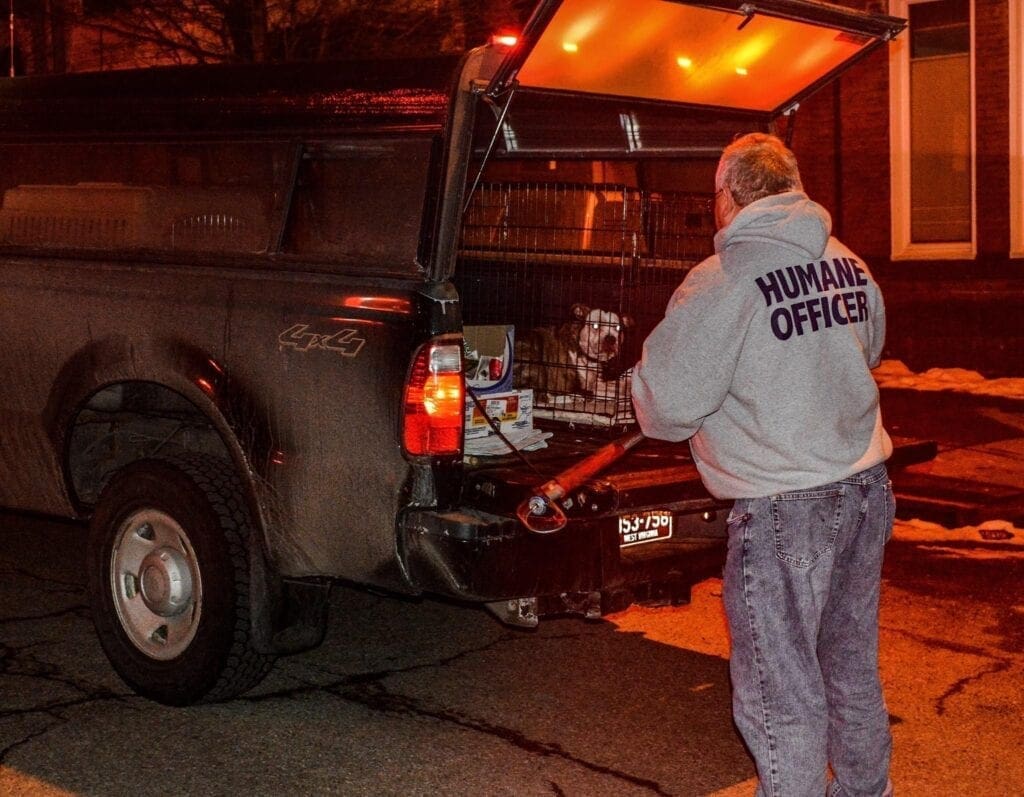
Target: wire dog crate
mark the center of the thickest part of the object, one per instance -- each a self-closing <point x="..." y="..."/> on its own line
<point x="582" y="273"/>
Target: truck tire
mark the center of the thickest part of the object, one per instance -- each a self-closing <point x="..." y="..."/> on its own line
<point x="169" y="580"/>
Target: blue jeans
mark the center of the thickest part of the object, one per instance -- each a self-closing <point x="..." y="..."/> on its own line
<point x="801" y="590"/>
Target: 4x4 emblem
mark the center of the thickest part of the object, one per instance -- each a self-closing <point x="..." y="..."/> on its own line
<point x="344" y="341"/>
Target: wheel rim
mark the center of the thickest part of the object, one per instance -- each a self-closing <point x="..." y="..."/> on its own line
<point x="156" y="585"/>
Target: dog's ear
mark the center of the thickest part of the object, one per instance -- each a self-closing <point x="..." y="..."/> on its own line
<point x="580" y="311"/>
<point x="626" y="321"/>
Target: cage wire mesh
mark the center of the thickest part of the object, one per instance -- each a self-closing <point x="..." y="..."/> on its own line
<point x="582" y="273"/>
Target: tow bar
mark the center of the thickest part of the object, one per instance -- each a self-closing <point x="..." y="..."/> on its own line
<point x="541" y="512"/>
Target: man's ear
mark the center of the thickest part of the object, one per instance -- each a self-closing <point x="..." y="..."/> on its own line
<point x="580" y="311"/>
<point x="726" y="208"/>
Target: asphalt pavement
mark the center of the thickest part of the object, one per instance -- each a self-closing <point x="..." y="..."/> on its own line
<point x="430" y="698"/>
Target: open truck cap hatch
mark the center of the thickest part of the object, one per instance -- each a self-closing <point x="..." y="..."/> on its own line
<point x="759" y="56"/>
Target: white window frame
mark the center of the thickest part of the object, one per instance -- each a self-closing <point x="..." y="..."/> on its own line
<point x="1016" y="128"/>
<point x="899" y="153"/>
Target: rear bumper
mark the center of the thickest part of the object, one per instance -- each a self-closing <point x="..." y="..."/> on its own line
<point x="476" y="556"/>
<point x="488" y="556"/>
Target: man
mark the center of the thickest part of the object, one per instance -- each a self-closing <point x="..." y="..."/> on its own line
<point x="763" y="361"/>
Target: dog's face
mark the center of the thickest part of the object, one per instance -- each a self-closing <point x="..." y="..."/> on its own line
<point x="600" y="332"/>
<point x="572" y="358"/>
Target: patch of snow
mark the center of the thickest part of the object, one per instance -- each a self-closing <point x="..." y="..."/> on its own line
<point x="993" y="539"/>
<point x="893" y="373"/>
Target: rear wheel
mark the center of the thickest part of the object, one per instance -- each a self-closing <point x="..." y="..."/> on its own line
<point x="169" y="580"/>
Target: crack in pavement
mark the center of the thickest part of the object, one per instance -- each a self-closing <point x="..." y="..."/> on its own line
<point x="6" y="751"/>
<point x="17" y="662"/>
<point x="81" y="611"/>
<point x="342" y="679"/>
<point x="377" y="698"/>
<point x="943" y="644"/>
<point x="20" y="661"/>
<point x="23" y="666"/>
<point x="1000" y="663"/>
<point x="364" y="688"/>
<point x="54" y="711"/>
<point x="367" y="689"/>
<point x="63" y="587"/>
<point x="960" y="685"/>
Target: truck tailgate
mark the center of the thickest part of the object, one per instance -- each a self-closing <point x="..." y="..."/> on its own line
<point x="654" y="475"/>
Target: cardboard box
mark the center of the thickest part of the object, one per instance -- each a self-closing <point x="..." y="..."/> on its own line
<point x="512" y="409"/>
<point x="487" y="354"/>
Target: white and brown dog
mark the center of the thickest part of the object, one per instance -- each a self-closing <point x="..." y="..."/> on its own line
<point x="573" y="357"/>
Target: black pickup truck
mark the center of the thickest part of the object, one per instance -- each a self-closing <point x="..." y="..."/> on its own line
<point x="234" y="303"/>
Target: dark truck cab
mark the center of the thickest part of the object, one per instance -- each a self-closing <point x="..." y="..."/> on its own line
<point x="235" y="300"/>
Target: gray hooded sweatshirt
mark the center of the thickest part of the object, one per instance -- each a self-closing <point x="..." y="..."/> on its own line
<point x="763" y="358"/>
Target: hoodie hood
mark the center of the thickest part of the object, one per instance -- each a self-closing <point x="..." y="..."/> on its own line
<point x="789" y="221"/>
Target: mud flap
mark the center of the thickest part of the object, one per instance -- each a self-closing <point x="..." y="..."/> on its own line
<point x="287" y="615"/>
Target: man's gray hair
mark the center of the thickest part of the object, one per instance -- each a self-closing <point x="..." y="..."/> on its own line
<point x="757" y="165"/>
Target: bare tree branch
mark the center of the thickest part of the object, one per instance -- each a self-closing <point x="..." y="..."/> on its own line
<point x="203" y="31"/>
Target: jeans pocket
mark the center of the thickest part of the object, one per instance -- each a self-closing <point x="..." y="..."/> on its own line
<point x="806" y="524"/>
<point x="738" y="514"/>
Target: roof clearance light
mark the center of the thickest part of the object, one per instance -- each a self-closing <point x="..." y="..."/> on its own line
<point x="741" y="70"/>
<point x="570" y="47"/>
<point x="684" y="62"/>
<point x="504" y="40"/>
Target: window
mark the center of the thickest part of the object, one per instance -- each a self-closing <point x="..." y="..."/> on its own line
<point x="361" y="202"/>
<point x="212" y="197"/>
<point x="932" y="127"/>
<point x="1016" y="128"/>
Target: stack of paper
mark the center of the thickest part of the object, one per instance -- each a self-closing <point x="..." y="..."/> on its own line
<point x="493" y="446"/>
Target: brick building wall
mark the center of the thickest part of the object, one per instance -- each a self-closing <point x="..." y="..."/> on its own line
<point x="842" y="143"/>
<point x="963" y="313"/>
<point x="992" y="124"/>
<point x="817" y="141"/>
<point x="864" y="156"/>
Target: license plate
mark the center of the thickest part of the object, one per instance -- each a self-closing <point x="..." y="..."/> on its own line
<point x="641" y="527"/>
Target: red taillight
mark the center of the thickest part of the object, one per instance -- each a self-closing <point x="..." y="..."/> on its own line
<point x="435" y="402"/>
<point x="505" y="39"/>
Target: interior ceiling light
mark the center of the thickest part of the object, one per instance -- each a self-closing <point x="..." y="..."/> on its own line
<point x="570" y="47"/>
<point x="639" y="47"/>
